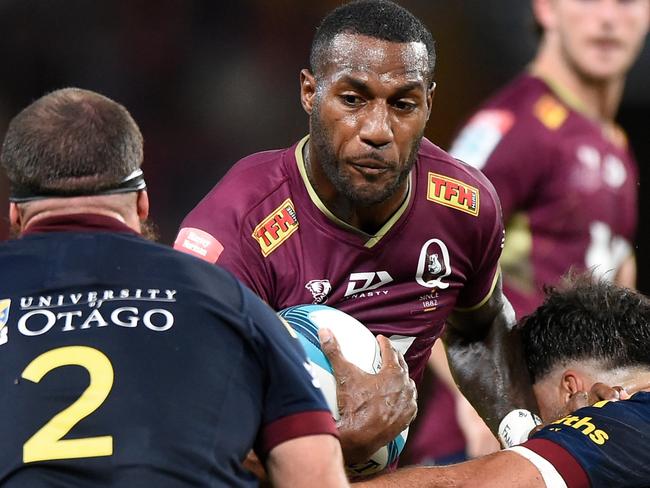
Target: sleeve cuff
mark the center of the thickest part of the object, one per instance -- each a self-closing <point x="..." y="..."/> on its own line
<point x="562" y="460"/>
<point x="293" y="426"/>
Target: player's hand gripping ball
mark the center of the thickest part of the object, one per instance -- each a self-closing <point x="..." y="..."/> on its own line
<point x="358" y="346"/>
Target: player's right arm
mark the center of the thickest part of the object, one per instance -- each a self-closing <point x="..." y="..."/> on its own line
<point x="307" y="461"/>
<point x="498" y="470"/>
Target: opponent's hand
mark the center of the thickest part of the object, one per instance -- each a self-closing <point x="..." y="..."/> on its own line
<point x="597" y="393"/>
<point x="374" y="408"/>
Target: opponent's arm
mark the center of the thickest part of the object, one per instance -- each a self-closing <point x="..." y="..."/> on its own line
<point x="486" y="359"/>
<point x="374" y="408"/>
<point x="503" y="468"/>
<point x="301" y="461"/>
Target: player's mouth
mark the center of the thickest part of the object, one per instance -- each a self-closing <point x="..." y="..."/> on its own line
<point x="370" y="167"/>
<point x="606" y="44"/>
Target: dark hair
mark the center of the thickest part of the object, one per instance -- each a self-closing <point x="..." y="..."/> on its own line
<point x="71" y="142"/>
<point x="381" y="19"/>
<point x="582" y="320"/>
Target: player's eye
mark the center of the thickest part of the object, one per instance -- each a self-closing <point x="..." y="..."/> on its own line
<point x="351" y="100"/>
<point x="404" y="106"/>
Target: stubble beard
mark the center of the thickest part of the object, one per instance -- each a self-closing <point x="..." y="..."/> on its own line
<point x="320" y="140"/>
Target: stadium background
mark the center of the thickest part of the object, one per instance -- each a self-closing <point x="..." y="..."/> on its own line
<point x="211" y="81"/>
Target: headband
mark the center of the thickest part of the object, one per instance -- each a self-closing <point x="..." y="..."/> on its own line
<point x="133" y="182"/>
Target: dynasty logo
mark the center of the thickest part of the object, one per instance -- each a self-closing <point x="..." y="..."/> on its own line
<point x="453" y="193"/>
<point x="276" y="227"/>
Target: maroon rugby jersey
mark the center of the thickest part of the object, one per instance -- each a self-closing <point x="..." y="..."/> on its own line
<point x="568" y="188"/>
<point x="264" y="222"/>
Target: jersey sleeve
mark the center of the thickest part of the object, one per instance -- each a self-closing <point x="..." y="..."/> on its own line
<point x="294" y="405"/>
<point x="501" y="146"/>
<point x="213" y="231"/>
<point x="486" y="251"/>
<point x="600" y="446"/>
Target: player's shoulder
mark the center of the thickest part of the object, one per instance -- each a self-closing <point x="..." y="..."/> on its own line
<point x="443" y="169"/>
<point x="244" y="190"/>
<point x="186" y="271"/>
<point x="253" y="176"/>
<point x="525" y="117"/>
<point x="532" y="103"/>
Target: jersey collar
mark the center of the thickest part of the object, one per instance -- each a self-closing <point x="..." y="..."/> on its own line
<point x="371" y="239"/>
<point x="78" y="223"/>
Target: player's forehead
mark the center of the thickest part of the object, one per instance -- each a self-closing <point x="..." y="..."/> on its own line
<point x="358" y="55"/>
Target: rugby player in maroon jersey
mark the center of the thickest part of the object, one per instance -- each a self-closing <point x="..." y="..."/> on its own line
<point x="366" y="215"/>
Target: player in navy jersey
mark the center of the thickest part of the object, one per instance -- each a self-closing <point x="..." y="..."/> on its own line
<point x="583" y="334"/>
<point x="124" y="363"/>
<point x="366" y="215"/>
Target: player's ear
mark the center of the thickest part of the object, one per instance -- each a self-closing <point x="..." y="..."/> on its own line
<point x="14" y="215"/>
<point x="307" y="90"/>
<point x="544" y="14"/>
<point x="571" y="382"/>
<point x="143" y="205"/>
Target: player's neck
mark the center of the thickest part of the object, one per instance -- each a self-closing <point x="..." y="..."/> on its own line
<point x="369" y="219"/>
<point x="597" y="99"/>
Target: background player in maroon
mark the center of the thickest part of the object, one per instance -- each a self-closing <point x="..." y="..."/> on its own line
<point x="366" y="215"/>
<point x="549" y="144"/>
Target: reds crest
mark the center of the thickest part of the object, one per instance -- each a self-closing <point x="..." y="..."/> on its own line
<point x="433" y="265"/>
<point x="319" y="289"/>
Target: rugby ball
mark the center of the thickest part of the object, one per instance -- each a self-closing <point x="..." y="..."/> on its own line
<point x="358" y="346"/>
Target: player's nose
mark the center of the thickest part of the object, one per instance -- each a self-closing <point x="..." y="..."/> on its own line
<point x="376" y="129"/>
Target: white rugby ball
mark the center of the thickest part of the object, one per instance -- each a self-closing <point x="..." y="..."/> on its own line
<point x="358" y="346"/>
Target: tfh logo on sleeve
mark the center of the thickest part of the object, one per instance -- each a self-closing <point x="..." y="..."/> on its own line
<point x="276" y="227"/>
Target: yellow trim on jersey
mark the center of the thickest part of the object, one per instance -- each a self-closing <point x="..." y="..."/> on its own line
<point x="565" y="95"/>
<point x="486" y="298"/>
<point x="611" y="130"/>
<point x="516" y="260"/>
<point x="372" y="239"/>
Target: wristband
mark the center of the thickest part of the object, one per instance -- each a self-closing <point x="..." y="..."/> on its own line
<point x="515" y="427"/>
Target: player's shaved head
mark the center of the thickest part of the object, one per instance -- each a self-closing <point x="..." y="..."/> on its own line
<point x="586" y="321"/>
<point x="380" y="19"/>
<point x="71" y="142"/>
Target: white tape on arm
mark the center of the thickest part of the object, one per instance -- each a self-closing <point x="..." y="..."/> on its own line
<point x="551" y="477"/>
<point x="515" y="427"/>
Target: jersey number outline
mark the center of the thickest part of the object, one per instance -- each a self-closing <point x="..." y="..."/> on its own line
<point x="48" y="443"/>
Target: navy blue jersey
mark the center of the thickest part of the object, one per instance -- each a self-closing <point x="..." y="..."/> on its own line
<point x="602" y="446"/>
<point x="126" y="363"/>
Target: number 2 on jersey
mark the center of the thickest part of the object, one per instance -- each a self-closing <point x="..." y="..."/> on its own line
<point x="48" y="443"/>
